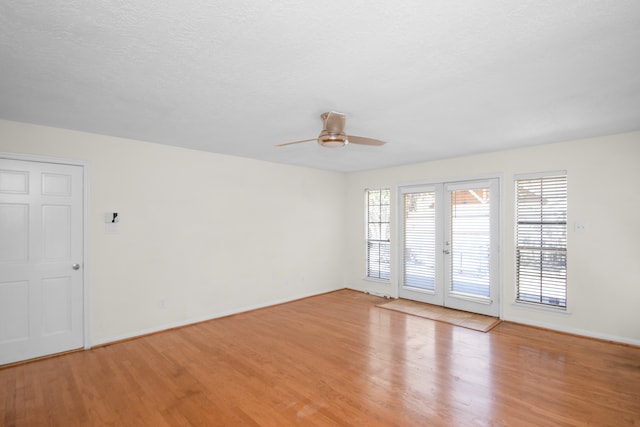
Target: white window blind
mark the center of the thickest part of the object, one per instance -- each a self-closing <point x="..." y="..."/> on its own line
<point x="378" y="233"/>
<point x="470" y="241"/>
<point x="541" y="240"/>
<point x="419" y="250"/>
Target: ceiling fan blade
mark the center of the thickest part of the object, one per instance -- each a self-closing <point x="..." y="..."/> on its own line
<point x="365" y="141"/>
<point x="296" y="142"/>
<point x="334" y="122"/>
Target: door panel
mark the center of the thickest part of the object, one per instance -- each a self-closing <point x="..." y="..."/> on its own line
<point x="420" y="218"/>
<point x="56" y="305"/>
<point x="421" y="236"/>
<point x="14" y="181"/>
<point x="14" y="232"/>
<point x="56" y="232"/>
<point x="471" y="237"/>
<point x="14" y="316"/>
<point x="449" y="240"/>
<point x="41" y="225"/>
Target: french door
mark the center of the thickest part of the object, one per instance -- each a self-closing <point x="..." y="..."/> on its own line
<point x="449" y="245"/>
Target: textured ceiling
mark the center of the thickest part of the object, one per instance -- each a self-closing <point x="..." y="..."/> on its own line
<point x="435" y="79"/>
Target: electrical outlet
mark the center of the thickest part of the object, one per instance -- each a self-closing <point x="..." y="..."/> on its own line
<point x="580" y="227"/>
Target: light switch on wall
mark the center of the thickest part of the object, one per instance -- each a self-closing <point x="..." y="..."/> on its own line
<point x="111" y="222"/>
<point x="111" y="217"/>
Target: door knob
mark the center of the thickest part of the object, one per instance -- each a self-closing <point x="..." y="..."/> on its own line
<point x="76" y="266"/>
<point x="446" y="251"/>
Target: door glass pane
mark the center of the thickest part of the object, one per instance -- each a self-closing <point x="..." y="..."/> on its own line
<point x="420" y="240"/>
<point x="469" y="242"/>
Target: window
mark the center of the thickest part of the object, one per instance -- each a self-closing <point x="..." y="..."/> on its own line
<point x="378" y="246"/>
<point x="419" y="239"/>
<point x="541" y="240"/>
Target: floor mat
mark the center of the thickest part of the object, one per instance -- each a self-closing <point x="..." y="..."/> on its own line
<point x="478" y="322"/>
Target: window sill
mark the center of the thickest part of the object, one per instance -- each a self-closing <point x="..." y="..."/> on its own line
<point x="545" y="309"/>
<point x="374" y="280"/>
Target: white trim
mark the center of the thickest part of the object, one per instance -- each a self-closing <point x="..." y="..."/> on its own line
<point x="85" y="255"/>
<point x="416" y="290"/>
<point x="524" y="304"/>
<point x="366" y="233"/>
<point x="42" y="159"/>
<point x="371" y="292"/>
<point x="535" y="175"/>
<point x="212" y="316"/>
<point x="468" y="185"/>
<point x="376" y="280"/>
<point x="85" y="227"/>
<point x="451" y="180"/>
<point x="547" y="308"/>
<point x="429" y="296"/>
<point x="472" y="298"/>
<point x="574" y="331"/>
<point x="379" y="294"/>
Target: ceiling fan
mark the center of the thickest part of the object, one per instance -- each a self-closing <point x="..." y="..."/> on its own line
<point x="333" y="135"/>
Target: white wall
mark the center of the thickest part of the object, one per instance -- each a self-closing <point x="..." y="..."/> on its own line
<point x="213" y="234"/>
<point x="208" y="234"/>
<point x="603" y="263"/>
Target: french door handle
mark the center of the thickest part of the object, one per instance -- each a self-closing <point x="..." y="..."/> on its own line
<point x="446" y="251"/>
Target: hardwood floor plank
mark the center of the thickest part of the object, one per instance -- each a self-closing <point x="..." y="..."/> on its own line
<point x="335" y="359"/>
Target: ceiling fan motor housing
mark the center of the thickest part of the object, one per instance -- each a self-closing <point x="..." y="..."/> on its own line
<point x="333" y="140"/>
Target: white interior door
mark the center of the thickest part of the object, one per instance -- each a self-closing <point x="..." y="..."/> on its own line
<point x="449" y="251"/>
<point x="41" y="238"/>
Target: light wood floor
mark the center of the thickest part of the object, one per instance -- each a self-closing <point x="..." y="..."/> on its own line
<point x="335" y="359"/>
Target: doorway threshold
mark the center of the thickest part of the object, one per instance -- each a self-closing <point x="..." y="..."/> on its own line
<point x="477" y="322"/>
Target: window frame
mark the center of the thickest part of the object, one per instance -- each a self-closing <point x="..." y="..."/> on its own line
<point x="380" y="276"/>
<point x="548" y="283"/>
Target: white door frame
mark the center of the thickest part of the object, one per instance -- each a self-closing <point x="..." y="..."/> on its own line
<point x="433" y="183"/>
<point x="85" y="228"/>
<point x="472" y="303"/>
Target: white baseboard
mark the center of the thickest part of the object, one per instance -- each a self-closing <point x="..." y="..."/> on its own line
<point x="212" y="316"/>
<point x="376" y="293"/>
<point x="574" y="331"/>
<point x="515" y="319"/>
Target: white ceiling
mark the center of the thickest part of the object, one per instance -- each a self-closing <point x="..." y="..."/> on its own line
<point x="435" y="79"/>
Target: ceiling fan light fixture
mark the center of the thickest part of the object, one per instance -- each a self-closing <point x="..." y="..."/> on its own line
<point x="333" y="140"/>
<point x="333" y="135"/>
